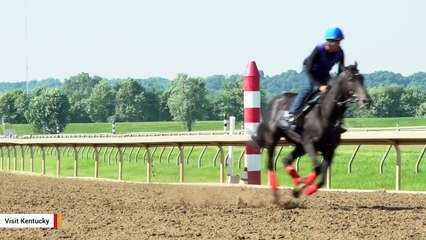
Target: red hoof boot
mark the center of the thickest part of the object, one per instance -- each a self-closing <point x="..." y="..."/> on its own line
<point x="311" y="178"/>
<point x="273" y="182"/>
<point x="290" y="170"/>
<point x="297" y="181"/>
<point x="309" y="190"/>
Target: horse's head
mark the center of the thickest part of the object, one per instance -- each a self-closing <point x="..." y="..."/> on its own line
<point x="352" y="86"/>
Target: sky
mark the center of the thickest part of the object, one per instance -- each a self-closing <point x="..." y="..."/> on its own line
<point x="161" y="38"/>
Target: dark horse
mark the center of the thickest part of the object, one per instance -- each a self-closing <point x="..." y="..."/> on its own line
<point x="318" y="130"/>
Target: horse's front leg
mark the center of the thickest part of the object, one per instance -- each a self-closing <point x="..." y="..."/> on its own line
<point x="314" y="187"/>
<point x="328" y="157"/>
<point x="288" y="163"/>
<point x="310" y="149"/>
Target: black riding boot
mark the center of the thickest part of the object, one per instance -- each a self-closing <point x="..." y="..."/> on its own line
<point x="287" y="121"/>
<point x="340" y="126"/>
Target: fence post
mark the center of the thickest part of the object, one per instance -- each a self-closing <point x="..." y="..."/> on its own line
<point x="96" y="161"/>
<point x="2" y="158"/>
<point x="8" y="158"/>
<point x="31" y="159"/>
<point x="43" y="160"/>
<point x="149" y="166"/>
<point x="120" y="164"/>
<point x="15" y="159"/>
<point x="58" y="162"/>
<point x="231" y="148"/>
<point x="22" y="158"/>
<point x="181" y="164"/>
<point x="75" y="161"/>
<point x="398" y="167"/>
<point x="222" y="165"/>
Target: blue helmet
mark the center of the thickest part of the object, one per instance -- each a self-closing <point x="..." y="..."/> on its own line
<point x="334" y="33"/>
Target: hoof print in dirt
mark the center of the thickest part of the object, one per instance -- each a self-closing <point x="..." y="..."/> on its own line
<point x="241" y="203"/>
<point x="292" y="205"/>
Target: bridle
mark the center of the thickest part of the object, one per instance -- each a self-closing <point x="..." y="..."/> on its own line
<point x="353" y="96"/>
<point x="349" y="100"/>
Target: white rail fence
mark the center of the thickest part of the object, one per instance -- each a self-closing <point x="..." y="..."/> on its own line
<point x="92" y="143"/>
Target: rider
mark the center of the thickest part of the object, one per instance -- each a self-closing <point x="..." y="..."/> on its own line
<point x="316" y="71"/>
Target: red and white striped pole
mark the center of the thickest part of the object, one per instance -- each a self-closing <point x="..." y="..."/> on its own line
<point x="252" y="157"/>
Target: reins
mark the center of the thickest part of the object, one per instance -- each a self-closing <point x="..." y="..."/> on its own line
<point x="351" y="100"/>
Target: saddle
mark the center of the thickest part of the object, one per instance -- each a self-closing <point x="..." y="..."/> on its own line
<point x="309" y="103"/>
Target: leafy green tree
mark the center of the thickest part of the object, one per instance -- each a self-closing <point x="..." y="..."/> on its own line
<point x="384" y="78"/>
<point x="49" y="111"/>
<point x="386" y="101"/>
<point x="129" y="100"/>
<point x="410" y="101"/>
<point x="33" y="84"/>
<point x="48" y="83"/>
<point x="80" y="86"/>
<point x="7" y="107"/>
<point x="187" y="100"/>
<point x="391" y="101"/>
<point x="395" y="101"/>
<point x="101" y="102"/>
<point x="79" y="111"/>
<point x="215" y="82"/>
<point x="152" y="106"/>
<point x="22" y="102"/>
<point x="164" y="108"/>
<point x="421" y="111"/>
<point x="232" y="100"/>
<point x="78" y="89"/>
<point x="13" y="106"/>
<point x="285" y="82"/>
<point x="214" y="107"/>
<point x="154" y="83"/>
<point x="418" y="80"/>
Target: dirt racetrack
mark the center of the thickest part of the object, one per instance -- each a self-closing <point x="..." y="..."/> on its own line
<point x="115" y="210"/>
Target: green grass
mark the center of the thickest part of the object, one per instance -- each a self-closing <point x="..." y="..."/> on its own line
<point x="365" y="169"/>
<point x="384" y="122"/>
<point x="128" y="127"/>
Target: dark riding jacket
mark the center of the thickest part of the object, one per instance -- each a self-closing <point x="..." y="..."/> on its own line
<point x="319" y="63"/>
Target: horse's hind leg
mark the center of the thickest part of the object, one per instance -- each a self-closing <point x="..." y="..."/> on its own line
<point x="273" y="182"/>
<point x="271" y="141"/>
<point x="288" y="161"/>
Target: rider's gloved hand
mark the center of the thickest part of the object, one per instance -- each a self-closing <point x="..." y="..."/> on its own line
<point x="324" y="88"/>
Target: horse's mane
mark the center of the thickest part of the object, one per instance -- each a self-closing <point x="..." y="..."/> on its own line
<point x="352" y="67"/>
<point x="341" y="75"/>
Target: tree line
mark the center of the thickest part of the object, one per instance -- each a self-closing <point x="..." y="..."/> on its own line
<point x="50" y="105"/>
